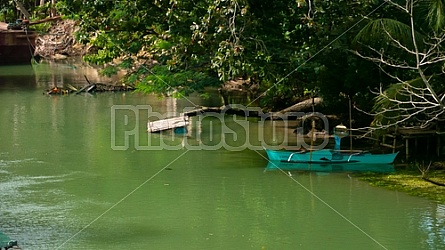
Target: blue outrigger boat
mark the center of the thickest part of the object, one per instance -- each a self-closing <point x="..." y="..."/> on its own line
<point x="331" y="156"/>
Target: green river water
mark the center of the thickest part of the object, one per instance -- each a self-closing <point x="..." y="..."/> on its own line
<point x="81" y="172"/>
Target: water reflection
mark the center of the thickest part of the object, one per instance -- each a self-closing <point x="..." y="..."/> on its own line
<point x="73" y="72"/>
<point x="48" y="74"/>
<point x="17" y="77"/>
<point x="433" y="224"/>
<point x="343" y="167"/>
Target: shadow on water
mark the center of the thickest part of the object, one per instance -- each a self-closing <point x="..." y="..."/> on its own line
<point x="17" y="77"/>
<point x="343" y="167"/>
<point x="48" y="74"/>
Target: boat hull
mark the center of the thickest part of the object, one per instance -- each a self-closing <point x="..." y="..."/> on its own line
<point x="329" y="156"/>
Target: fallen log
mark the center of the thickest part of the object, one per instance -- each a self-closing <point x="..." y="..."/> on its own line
<point x="433" y="182"/>
<point x="86" y="78"/>
<point x="226" y="109"/>
<point x="49" y="19"/>
<point x="85" y="88"/>
<point x="91" y="88"/>
<point x="71" y="87"/>
<point x="4" y="26"/>
<point x="304" y="105"/>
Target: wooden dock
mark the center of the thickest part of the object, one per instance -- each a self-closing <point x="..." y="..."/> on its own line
<point x="183" y="119"/>
<point x="169" y="123"/>
<point x="415" y="134"/>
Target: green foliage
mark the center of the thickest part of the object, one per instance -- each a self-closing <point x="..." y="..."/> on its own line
<point x="42" y="27"/>
<point x="42" y="11"/>
<point x="109" y="70"/>
<point x="275" y="44"/>
<point x="8" y="12"/>
<point x="178" y="83"/>
<point x="432" y="14"/>
<point x="381" y="32"/>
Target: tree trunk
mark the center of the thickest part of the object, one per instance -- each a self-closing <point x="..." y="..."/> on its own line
<point x="304" y="105"/>
<point x="53" y="9"/>
<point x="22" y="9"/>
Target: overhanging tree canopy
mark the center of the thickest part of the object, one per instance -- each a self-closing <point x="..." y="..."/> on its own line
<point x="272" y="43"/>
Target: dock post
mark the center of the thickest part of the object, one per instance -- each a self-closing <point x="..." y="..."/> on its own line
<point x="407" y="147"/>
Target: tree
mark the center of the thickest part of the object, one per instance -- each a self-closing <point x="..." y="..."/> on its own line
<point x="270" y="43"/>
<point x="412" y="55"/>
<point x="342" y="76"/>
<point x="11" y="10"/>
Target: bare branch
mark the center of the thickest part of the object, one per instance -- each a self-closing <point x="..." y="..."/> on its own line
<point x="382" y="59"/>
<point x="397" y="42"/>
<point x="404" y="9"/>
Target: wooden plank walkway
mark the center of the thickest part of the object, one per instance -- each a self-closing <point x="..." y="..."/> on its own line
<point x="183" y="119"/>
<point x="169" y="123"/>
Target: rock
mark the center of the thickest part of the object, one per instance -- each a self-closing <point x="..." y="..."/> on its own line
<point x="58" y="57"/>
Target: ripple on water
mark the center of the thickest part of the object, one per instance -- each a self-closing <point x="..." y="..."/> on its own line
<point x="34" y="209"/>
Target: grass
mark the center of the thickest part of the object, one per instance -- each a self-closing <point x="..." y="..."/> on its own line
<point x="409" y="180"/>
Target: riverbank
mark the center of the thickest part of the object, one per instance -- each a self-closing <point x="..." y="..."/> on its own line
<point x="62" y="45"/>
<point x="410" y="180"/>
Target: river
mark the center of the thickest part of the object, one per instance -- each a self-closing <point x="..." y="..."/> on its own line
<point x="81" y="172"/>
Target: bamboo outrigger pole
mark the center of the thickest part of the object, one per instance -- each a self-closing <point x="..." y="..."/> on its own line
<point x="350" y="124"/>
<point x="312" y="142"/>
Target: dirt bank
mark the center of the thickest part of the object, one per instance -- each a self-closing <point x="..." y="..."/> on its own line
<point x="59" y="41"/>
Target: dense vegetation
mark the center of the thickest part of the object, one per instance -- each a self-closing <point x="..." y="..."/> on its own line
<point x="288" y="49"/>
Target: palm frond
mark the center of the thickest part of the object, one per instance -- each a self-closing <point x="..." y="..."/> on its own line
<point x="394" y="102"/>
<point x="380" y="33"/>
<point x="433" y="11"/>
